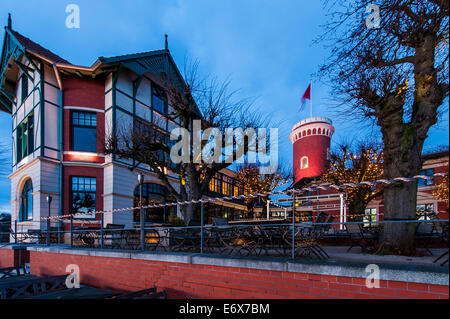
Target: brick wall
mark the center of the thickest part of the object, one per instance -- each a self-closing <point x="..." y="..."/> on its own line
<point x="13" y="257"/>
<point x="182" y="280"/>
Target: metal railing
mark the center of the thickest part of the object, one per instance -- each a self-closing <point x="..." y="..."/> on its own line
<point x="291" y="239"/>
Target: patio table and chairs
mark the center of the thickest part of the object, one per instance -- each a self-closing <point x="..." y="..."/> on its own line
<point x="359" y="236"/>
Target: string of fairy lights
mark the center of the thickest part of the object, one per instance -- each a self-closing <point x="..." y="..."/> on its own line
<point x="291" y="192"/>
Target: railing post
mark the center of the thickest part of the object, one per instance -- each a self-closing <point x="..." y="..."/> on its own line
<point x="71" y="230"/>
<point x="101" y="230"/>
<point x="48" y="231"/>
<point x="49" y="202"/>
<point x="293" y="224"/>
<point x="141" y="181"/>
<point x="201" y="231"/>
<point x="15" y="231"/>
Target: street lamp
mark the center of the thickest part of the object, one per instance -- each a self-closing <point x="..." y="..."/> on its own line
<point x="49" y="201"/>
<point x="141" y="181"/>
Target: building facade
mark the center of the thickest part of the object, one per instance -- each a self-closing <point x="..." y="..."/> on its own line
<point x="63" y="113"/>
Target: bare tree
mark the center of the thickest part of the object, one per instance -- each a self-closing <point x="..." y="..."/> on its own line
<point x="216" y="107"/>
<point x="252" y="181"/>
<point x="397" y="75"/>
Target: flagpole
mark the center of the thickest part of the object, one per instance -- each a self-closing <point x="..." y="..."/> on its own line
<point x="310" y="100"/>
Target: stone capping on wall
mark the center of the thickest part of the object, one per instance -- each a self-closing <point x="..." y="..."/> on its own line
<point x="434" y="275"/>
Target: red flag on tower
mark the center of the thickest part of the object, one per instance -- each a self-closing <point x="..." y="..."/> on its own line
<point x="306" y="95"/>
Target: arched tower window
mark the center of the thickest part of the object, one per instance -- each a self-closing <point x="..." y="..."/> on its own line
<point x="309" y="132"/>
<point x="319" y="131"/>
<point x="304" y="133"/>
<point x="304" y="163"/>
<point x="26" y="201"/>
<point x="314" y="131"/>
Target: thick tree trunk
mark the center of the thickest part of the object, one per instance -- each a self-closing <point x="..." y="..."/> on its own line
<point x="400" y="200"/>
<point x="399" y="204"/>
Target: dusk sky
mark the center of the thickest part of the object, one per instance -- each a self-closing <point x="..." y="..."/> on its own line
<point x="265" y="47"/>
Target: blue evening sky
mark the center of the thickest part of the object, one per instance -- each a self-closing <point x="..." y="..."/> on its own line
<point x="264" y="46"/>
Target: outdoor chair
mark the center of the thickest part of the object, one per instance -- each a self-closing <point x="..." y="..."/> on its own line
<point x="425" y="234"/>
<point x="186" y="237"/>
<point x="360" y="237"/>
<point x="305" y="240"/>
<point x="219" y="221"/>
<point x="113" y="235"/>
<point x="444" y="239"/>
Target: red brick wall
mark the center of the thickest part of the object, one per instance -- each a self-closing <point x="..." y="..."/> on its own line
<point x="204" y="281"/>
<point x="13" y="257"/>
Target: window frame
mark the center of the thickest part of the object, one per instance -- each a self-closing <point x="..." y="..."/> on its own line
<point x="24" y="88"/>
<point x="73" y="126"/>
<point x="89" y="214"/>
<point x="25" y="134"/>
<point x="25" y="194"/>
<point x="426" y="182"/>
<point x="301" y="162"/>
<point x="160" y="93"/>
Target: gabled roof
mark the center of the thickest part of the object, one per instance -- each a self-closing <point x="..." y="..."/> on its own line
<point x="34" y="47"/>
<point x="15" y="44"/>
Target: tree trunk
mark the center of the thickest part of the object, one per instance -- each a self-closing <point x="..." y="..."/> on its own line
<point x="400" y="199"/>
<point x="399" y="204"/>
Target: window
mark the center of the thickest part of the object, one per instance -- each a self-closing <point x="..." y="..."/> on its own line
<point x="425" y="211"/>
<point x="26" y="202"/>
<point x="370" y="217"/>
<point x="151" y="133"/>
<point x="159" y="99"/>
<point x="214" y="184"/>
<point x="24" y="93"/>
<point x="153" y="194"/>
<point x="426" y="182"/>
<point x="304" y="162"/>
<point x="25" y="138"/>
<point x="227" y="185"/>
<point x="83" y="196"/>
<point x="84" y="132"/>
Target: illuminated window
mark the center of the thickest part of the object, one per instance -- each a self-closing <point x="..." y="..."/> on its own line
<point x="153" y="194"/>
<point x="304" y="162"/>
<point x="370" y="217"/>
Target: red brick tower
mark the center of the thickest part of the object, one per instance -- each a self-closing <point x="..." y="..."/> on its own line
<point x="311" y="141"/>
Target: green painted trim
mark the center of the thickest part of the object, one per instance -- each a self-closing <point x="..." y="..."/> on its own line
<point x="51" y="84"/>
<point x="50" y="102"/>
<point x="24" y="70"/>
<point x="133" y="98"/>
<point x="35" y="88"/>
<point x="42" y="108"/>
